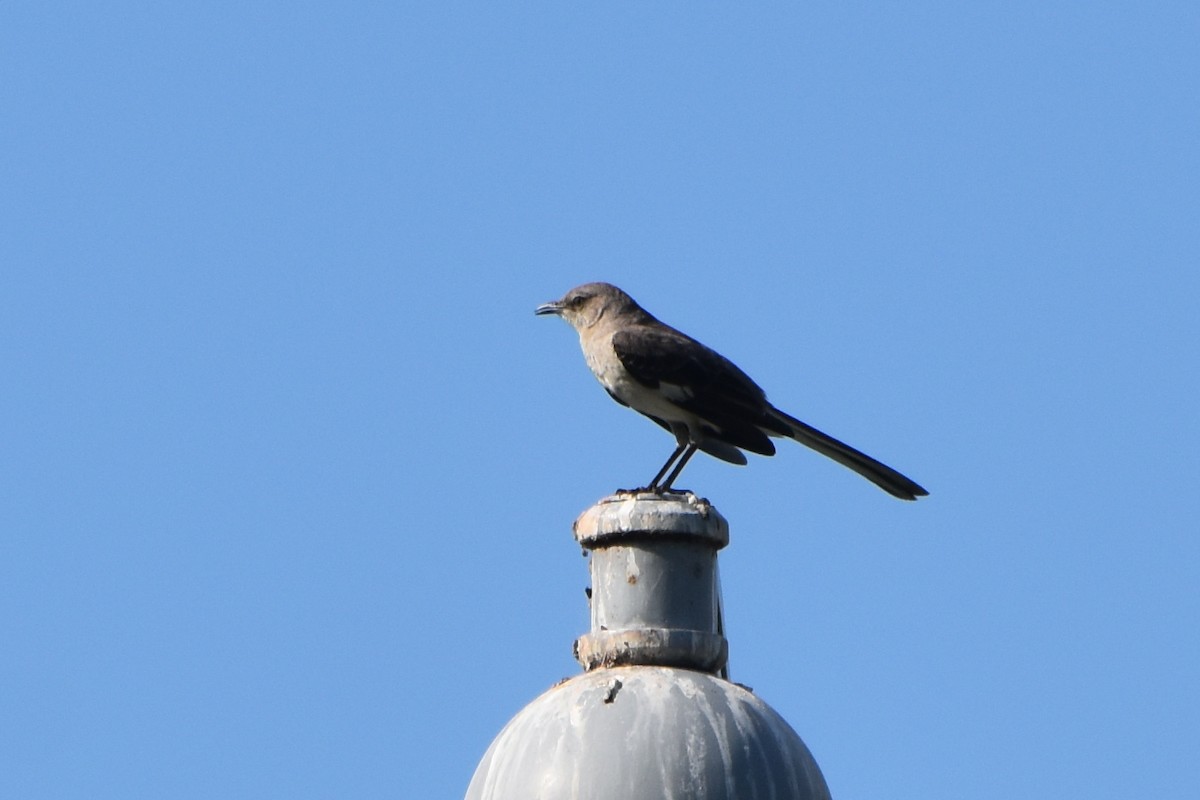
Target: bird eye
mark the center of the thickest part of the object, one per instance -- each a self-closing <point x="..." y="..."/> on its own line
<point x="576" y="301"/>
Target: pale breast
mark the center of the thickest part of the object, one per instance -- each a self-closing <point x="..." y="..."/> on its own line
<point x="608" y="369"/>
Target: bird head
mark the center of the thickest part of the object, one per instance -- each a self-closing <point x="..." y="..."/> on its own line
<point x="586" y="305"/>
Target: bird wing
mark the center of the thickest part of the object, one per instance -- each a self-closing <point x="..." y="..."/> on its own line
<point x="700" y="381"/>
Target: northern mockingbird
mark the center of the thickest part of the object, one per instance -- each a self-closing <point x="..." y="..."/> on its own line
<point x="695" y="393"/>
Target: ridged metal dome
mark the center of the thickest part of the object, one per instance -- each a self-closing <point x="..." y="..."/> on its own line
<point x="650" y="720"/>
<point x="647" y="733"/>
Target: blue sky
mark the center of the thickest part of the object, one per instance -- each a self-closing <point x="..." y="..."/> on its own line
<point x="288" y="466"/>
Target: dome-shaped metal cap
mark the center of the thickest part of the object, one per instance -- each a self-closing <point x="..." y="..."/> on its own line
<point x="647" y="733"/>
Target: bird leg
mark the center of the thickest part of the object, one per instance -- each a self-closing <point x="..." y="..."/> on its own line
<point x="653" y="485"/>
<point x="679" y="465"/>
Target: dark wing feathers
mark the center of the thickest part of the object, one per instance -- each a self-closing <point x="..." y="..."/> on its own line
<point x="661" y="354"/>
<point x="735" y="408"/>
<point x="712" y="387"/>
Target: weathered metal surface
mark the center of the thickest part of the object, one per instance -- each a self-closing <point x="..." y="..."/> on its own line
<point x="650" y="720"/>
<point x="654" y="587"/>
<point x="647" y="733"/>
<point x="654" y="583"/>
<point x="652" y="646"/>
<point x="648" y="514"/>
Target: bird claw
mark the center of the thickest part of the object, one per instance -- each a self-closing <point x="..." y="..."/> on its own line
<point x="655" y="490"/>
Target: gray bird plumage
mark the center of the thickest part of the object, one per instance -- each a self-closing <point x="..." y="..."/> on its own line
<point x="697" y="394"/>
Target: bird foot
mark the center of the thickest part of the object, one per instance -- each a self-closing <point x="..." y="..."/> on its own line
<point x="658" y="490"/>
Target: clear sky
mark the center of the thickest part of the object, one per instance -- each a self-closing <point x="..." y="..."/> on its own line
<point x="288" y="466"/>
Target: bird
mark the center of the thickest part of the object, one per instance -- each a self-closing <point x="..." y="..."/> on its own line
<point x="702" y="398"/>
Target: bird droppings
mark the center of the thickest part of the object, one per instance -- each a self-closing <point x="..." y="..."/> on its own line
<point x="701" y="504"/>
<point x="632" y="570"/>
<point x="610" y="693"/>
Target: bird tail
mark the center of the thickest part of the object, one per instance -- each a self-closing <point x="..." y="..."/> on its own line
<point x="876" y="472"/>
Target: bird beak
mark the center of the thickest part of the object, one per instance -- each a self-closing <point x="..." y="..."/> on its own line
<point x="549" y="308"/>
